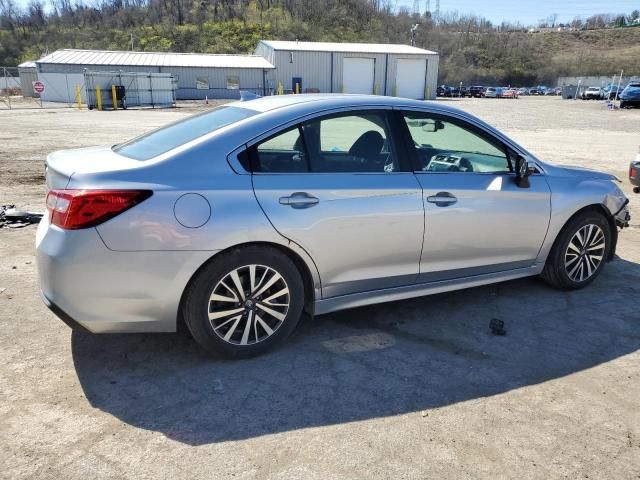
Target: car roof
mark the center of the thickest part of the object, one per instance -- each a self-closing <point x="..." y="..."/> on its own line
<point x="331" y="100"/>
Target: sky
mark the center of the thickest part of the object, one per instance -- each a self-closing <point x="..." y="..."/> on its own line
<point x="528" y="12"/>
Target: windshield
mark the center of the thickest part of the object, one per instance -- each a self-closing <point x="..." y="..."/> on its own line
<point x="167" y="138"/>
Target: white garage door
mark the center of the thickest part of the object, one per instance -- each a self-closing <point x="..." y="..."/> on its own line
<point x="410" y="77"/>
<point x="357" y="75"/>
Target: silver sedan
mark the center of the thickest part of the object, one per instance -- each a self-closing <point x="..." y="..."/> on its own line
<point x="238" y="220"/>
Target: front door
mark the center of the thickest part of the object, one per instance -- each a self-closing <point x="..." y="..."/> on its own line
<point x="477" y="220"/>
<point x="335" y="187"/>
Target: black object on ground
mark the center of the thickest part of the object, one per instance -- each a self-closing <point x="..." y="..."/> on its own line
<point x="12" y="218"/>
<point x="497" y="327"/>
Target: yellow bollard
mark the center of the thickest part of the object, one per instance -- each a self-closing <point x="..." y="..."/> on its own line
<point x="78" y="97"/>
<point x="99" y="98"/>
<point x="113" y="95"/>
<point x="375" y="89"/>
<point x="341" y="88"/>
<point x="428" y="93"/>
<point x="395" y="90"/>
<point x="297" y="87"/>
<point x="280" y="88"/>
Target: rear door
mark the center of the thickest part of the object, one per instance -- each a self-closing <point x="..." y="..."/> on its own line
<point x="336" y="187"/>
<point x="477" y="220"/>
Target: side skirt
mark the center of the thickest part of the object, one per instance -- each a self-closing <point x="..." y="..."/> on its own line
<point x="342" y="302"/>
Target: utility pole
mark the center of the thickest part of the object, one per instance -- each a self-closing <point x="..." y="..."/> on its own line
<point x="437" y="8"/>
<point x="131" y="37"/>
<point x="416" y="7"/>
<point x="413" y="33"/>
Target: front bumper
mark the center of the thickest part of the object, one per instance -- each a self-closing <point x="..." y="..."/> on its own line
<point x="622" y="217"/>
<point x="91" y="287"/>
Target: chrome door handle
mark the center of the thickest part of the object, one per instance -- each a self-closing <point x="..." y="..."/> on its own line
<point x="442" y="199"/>
<point x="299" y="200"/>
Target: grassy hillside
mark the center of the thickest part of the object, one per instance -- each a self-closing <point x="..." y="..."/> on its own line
<point x="472" y="50"/>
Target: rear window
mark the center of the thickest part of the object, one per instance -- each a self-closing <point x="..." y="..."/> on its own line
<point x="166" y="138"/>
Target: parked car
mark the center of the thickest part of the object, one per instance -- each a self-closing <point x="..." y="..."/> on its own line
<point x="558" y="90"/>
<point x="493" y="92"/>
<point x="455" y="92"/>
<point x="442" y="90"/>
<point x="476" y="91"/>
<point x="630" y="96"/>
<point x="550" y="92"/>
<point x="592" y="93"/>
<point x="510" y="93"/>
<point x="238" y="219"/>
<point x="537" y="90"/>
<point x="464" y="92"/>
<point x="634" y="173"/>
<point x="523" y="91"/>
<point x="610" y="92"/>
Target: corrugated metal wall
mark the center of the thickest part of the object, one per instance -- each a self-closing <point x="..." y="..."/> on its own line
<point x="249" y="78"/>
<point x="27" y="77"/>
<point x="315" y="69"/>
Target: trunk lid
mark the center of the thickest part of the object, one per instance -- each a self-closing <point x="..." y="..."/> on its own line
<point x="63" y="164"/>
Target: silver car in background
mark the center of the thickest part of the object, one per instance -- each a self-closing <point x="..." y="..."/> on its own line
<point x="237" y="220"/>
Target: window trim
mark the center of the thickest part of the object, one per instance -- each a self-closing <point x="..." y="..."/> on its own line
<point x="398" y="149"/>
<point x="465" y="125"/>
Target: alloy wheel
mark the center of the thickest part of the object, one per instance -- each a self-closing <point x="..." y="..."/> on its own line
<point x="585" y="252"/>
<point x="249" y="304"/>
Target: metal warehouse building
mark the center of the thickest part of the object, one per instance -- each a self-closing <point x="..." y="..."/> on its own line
<point x="197" y="75"/>
<point x="397" y="70"/>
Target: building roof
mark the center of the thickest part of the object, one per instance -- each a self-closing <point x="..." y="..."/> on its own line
<point x="154" y="59"/>
<point x="346" y="47"/>
<point x="30" y="64"/>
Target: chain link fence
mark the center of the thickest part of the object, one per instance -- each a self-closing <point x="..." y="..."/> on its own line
<point x="16" y="91"/>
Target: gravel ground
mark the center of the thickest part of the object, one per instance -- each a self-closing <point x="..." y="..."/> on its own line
<point x="415" y="389"/>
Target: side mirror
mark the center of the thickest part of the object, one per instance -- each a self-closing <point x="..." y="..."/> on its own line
<point x="432" y="125"/>
<point x="522" y="172"/>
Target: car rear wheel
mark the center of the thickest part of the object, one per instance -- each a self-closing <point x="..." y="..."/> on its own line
<point x="579" y="253"/>
<point x="245" y="302"/>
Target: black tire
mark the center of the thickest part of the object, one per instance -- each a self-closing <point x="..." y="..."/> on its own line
<point x="555" y="271"/>
<point x="197" y="303"/>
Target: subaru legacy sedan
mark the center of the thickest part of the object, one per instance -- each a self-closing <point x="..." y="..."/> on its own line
<point x="238" y="220"/>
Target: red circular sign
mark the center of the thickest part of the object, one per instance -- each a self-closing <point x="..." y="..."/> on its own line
<point x="38" y="87"/>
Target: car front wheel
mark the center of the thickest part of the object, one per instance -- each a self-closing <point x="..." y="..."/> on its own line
<point x="245" y="302"/>
<point x="579" y="253"/>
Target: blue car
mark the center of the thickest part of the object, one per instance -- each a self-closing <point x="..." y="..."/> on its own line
<point x="630" y="96"/>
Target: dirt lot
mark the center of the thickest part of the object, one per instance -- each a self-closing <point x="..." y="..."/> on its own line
<point x="415" y="389"/>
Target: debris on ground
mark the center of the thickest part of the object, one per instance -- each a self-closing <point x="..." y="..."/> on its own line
<point x="12" y="218"/>
<point x="497" y="327"/>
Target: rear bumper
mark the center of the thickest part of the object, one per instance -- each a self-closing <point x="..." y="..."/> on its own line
<point x="61" y="314"/>
<point x="99" y="290"/>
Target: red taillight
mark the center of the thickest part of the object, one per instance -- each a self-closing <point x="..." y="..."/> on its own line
<point x="74" y="209"/>
<point x="633" y="172"/>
